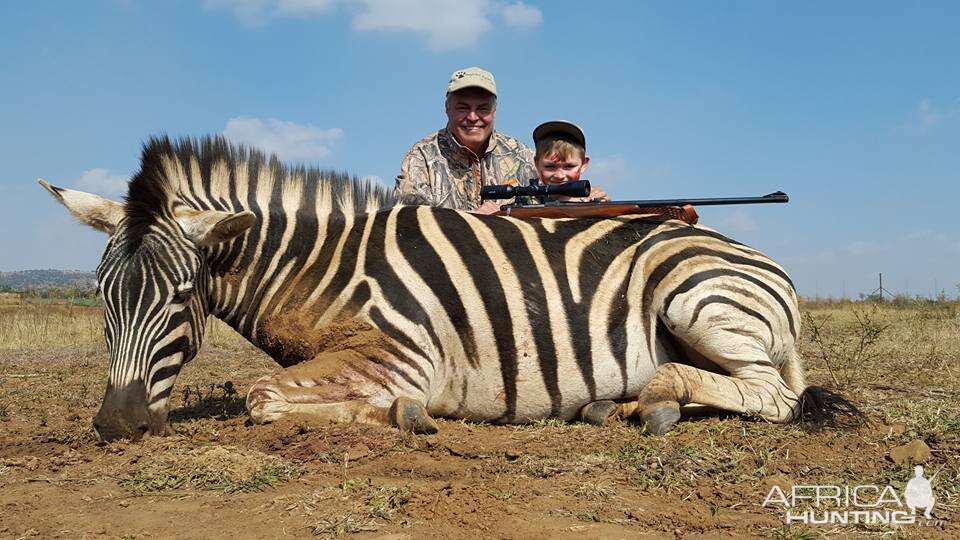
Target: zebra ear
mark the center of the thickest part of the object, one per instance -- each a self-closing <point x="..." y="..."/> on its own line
<point x="100" y="213"/>
<point x="210" y="227"/>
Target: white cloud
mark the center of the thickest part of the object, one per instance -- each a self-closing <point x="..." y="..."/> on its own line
<point x="289" y="140"/>
<point x="252" y="12"/>
<point x="925" y="236"/>
<point x="101" y="182"/>
<point x="860" y="248"/>
<point x="304" y="7"/>
<point x="935" y="241"/>
<point x="607" y="172"/>
<point x="372" y="178"/>
<point x="521" y="15"/>
<point x="737" y="221"/>
<point x="927" y="115"/>
<point x="446" y="24"/>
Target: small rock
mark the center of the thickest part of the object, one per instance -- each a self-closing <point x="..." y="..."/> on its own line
<point x="461" y="451"/>
<point x="782" y="481"/>
<point x="915" y="451"/>
<point x="358" y="451"/>
<point x="896" y="429"/>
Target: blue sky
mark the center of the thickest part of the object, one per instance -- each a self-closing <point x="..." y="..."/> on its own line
<point x="852" y="108"/>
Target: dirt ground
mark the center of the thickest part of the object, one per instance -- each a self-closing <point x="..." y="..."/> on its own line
<point x="219" y="477"/>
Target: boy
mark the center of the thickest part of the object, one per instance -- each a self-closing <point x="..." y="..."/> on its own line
<point x="561" y="157"/>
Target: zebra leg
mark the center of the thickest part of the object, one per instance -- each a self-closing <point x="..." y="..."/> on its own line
<point x="342" y="387"/>
<point x="408" y="414"/>
<point x="753" y="389"/>
<point x="599" y="413"/>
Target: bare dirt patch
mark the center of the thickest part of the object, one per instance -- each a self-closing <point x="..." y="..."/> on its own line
<point x="220" y="477"/>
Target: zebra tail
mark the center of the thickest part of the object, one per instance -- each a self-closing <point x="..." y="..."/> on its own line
<point x="822" y="407"/>
<point x="792" y="373"/>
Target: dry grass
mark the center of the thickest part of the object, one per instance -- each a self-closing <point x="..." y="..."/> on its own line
<point x="42" y="327"/>
<point x="877" y="345"/>
<point x="356" y="505"/>
<point x="220" y="468"/>
<point x="861" y="341"/>
<point x="33" y="326"/>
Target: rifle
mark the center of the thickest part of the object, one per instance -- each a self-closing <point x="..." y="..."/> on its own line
<point x="682" y="209"/>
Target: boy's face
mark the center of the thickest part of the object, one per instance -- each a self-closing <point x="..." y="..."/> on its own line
<point x="554" y="170"/>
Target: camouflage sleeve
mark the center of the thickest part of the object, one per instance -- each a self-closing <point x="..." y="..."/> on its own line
<point x="527" y="168"/>
<point x="413" y="182"/>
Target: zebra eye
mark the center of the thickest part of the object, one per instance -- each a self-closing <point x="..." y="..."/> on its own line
<point x="183" y="294"/>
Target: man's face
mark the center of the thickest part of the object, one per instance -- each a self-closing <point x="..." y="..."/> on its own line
<point x="553" y="170"/>
<point x="470" y="114"/>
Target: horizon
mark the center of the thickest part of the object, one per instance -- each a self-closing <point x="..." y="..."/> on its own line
<point x="850" y="109"/>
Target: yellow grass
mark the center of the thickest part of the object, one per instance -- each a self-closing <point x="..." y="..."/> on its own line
<point x="58" y="326"/>
<point x="11" y="298"/>
<point x="917" y="340"/>
<point x="919" y="344"/>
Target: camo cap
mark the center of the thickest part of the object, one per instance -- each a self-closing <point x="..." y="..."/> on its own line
<point x="472" y="77"/>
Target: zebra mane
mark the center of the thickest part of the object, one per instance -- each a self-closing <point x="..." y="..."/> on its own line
<point x="211" y="173"/>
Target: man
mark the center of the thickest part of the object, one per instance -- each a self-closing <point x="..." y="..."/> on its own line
<point x="447" y="168"/>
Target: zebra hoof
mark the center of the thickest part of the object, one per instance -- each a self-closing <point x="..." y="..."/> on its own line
<point x="660" y="417"/>
<point x="599" y="413"/>
<point x="410" y="415"/>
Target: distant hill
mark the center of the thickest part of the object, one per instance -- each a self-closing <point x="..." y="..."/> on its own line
<point x="45" y="280"/>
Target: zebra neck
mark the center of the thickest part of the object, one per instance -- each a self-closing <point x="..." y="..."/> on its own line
<point x="283" y="267"/>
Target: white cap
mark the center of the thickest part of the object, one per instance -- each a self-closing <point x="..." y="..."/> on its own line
<point x="472" y="77"/>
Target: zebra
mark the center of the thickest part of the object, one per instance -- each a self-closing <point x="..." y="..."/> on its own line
<point x="391" y="314"/>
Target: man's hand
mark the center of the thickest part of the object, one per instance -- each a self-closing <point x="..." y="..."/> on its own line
<point x="597" y="193"/>
<point x="488" y="207"/>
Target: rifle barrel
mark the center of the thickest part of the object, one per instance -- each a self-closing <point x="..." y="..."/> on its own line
<point x="775" y="197"/>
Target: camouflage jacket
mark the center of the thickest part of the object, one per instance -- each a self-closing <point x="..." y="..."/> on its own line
<point x="439" y="171"/>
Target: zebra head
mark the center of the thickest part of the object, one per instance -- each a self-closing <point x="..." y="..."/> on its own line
<point x="154" y="280"/>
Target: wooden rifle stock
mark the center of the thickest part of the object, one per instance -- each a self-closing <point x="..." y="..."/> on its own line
<point x="681" y="209"/>
<point x="684" y="213"/>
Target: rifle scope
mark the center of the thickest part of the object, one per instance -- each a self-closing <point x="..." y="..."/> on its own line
<point x="580" y="188"/>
